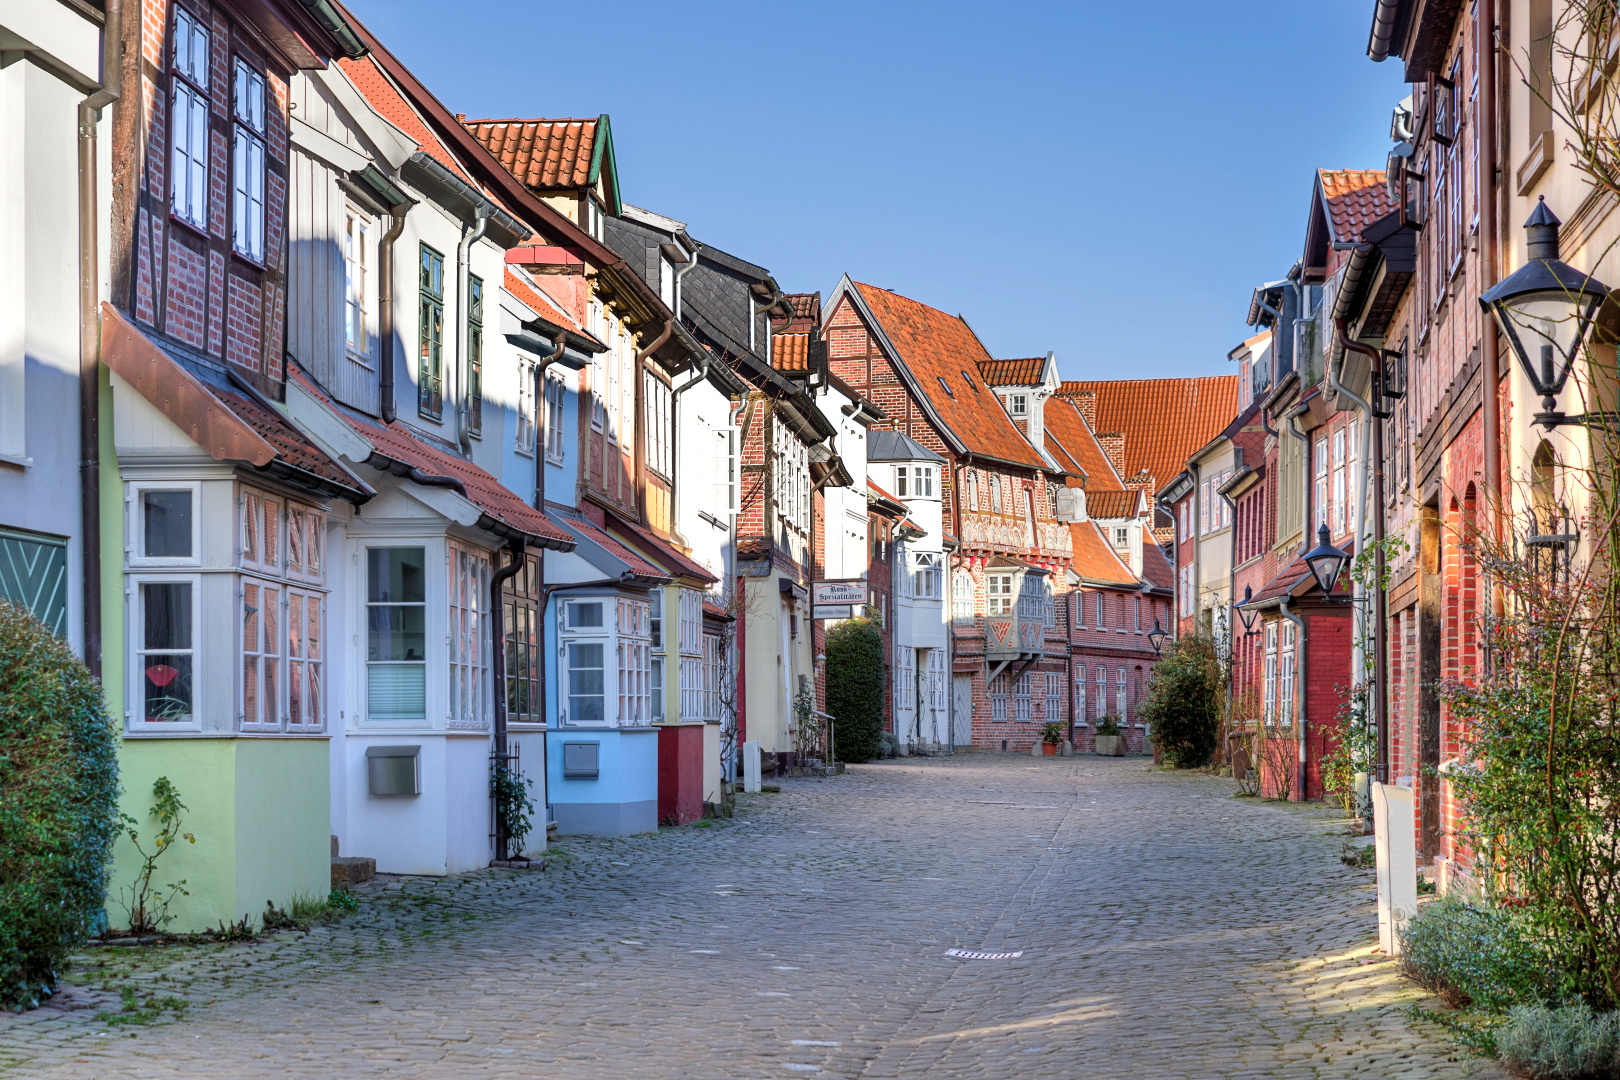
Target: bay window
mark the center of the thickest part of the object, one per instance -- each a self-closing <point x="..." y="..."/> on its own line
<point x="164" y="620"/>
<point x="469" y="636"/>
<point x="396" y="633"/>
<point x="962" y="597"/>
<point x="632" y="654"/>
<point x="1000" y="594"/>
<point x="928" y="576"/>
<point x="690" y="644"/>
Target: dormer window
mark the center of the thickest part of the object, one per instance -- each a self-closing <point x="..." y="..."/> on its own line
<point x="593" y="217"/>
<point x="1018" y="404"/>
<point x="1122" y="536"/>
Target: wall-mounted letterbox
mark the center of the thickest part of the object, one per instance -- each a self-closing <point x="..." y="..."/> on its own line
<point x="394" y="770"/>
<point x="581" y="760"/>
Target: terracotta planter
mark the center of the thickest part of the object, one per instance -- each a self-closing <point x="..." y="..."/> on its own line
<point x="1049" y="749"/>
<point x="1109" y="745"/>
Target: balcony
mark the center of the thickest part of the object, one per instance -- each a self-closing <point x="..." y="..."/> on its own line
<point x="1014" y="637"/>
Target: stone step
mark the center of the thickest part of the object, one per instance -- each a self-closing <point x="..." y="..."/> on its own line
<point x="353" y="869"/>
<point x="334" y="846"/>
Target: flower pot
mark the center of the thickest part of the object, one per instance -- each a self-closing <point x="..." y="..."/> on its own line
<point x="1109" y="745"/>
<point x="1049" y="749"/>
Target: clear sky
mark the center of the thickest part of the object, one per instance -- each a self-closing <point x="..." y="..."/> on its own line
<point x="1105" y="179"/>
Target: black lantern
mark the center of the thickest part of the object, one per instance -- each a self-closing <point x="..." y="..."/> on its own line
<point x="1546" y="309"/>
<point x="1326" y="561"/>
<point x="1245" y="612"/>
<point x="1157" y="635"/>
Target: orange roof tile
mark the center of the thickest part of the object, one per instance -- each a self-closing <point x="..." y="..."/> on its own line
<point x="1156" y="567"/>
<point x="659" y="551"/>
<point x="1067" y="427"/>
<point x="1094" y="558"/>
<point x="377" y="89"/>
<point x="553" y="312"/>
<point x="291" y="446"/>
<point x="1025" y="372"/>
<point x="1355" y="198"/>
<point x="1162" y="420"/>
<point x="790" y="352"/>
<point x="1113" y="504"/>
<point x="936" y="348"/>
<point x="540" y="153"/>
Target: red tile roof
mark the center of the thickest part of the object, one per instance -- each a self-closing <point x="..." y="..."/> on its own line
<point x="1156" y="567"/>
<point x="554" y="312"/>
<point x="638" y="565"/>
<point x="884" y="495"/>
<point x="1113" y="504"/>
<point x="1094" y="559"/>
<point x="1067" y="427"/>
<point x="673" y="561"/>
<point x="936" y="347"/>
<point x="1162" y="420"/>
<point x="1025" y="372"/>
<point x="376" y="88"/>
<point x="790" y="352"/>
<point x="482" y="489"/>
<point x="291" y="445"/>
<point x="545" y="154"/>
<point x="806" y="310"/>
<point x="1355" y="198"/>
<point x="715" y="610"/>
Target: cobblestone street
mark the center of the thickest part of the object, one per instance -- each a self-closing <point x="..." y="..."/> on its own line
<point x="1166" y="930"/>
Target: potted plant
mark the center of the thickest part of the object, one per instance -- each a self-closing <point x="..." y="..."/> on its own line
<point x="1108" y="742"/>
<point x="1051" y="736"/>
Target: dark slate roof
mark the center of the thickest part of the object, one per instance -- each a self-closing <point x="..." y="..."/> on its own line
<point x="886" y="444"/>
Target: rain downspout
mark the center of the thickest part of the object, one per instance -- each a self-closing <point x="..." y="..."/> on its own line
<point x="542" y="438"/>
<point x="1299" y="688"/>
<point x="112" y="69"/>
<point x="497" y="669"/>
<point x="675" y="400"/>
<point x="1305" y="503"/>
<point x="387" y="407"/>
<point x="950" y="638"/>
<point x="463" y="327"/>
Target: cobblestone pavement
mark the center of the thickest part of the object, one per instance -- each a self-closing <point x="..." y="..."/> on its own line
<point x="1166" y="930"/>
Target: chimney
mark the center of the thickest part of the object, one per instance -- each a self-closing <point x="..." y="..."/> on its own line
<point x="1113" y="444"/>
<point x="1086" y="402"/>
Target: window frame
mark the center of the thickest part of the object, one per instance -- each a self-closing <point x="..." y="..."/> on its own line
<point x="475" y="356"/>
<point x="962" y="599"/>
<point x="468" y="636"/>
<point x="135" y="721"/>
<point x="135" y="529"/>
<point x="555" y="450"/>
<point x="1080" y="694"/>
<point x="526" y="414"/>
<point x="248" y="206"/>
<point x="357" y="225"/>
<point x="425" y="604"/>
<point x="429" y="333"/>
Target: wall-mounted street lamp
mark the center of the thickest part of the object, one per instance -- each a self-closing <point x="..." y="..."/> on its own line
<point x="1157" y="635"/>
<point x="1246" y="613"/>
<point x="1326" y="561"/>
<point x="1546" y="309"/>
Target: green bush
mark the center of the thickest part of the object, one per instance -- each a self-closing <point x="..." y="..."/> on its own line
<point x="1474" y="954"/>
<point x="1572" y="1043"/>
<point x="58" y="806"/>
<point x="1183" y="702"/>
<point x="855" y="688"/>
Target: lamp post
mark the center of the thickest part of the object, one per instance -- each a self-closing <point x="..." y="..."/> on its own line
<point x="1547" y="308"/>
<point x="1156" y="636"/>
<point x="1326" y="561"/>
<point x="1246" y="613"/>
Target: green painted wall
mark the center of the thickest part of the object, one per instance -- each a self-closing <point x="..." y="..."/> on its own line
<point x="261" y="815"/>
<point x="112" y="561"/>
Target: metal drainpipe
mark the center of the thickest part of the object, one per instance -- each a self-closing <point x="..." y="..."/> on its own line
<point x="497" y="670"/>
<point x="1495" y="498"/>
<point x="675" y="443"/>
<point x="463" y="375"/>
<point x="387" y="407"/>
<point x="112" y="68"/>
<point x="1193" y="527"/>
<point x="1372" y="462"/>
<point x="1305" y="503"/>
<point x="950" y="636"/>
<point x="1299" y="688"/>
<point x="542" y="435"/>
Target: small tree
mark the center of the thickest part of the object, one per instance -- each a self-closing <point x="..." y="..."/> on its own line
<point x="855" y="688"/>
<point x="1185" y="701"/>
<point x="58" y="805"/>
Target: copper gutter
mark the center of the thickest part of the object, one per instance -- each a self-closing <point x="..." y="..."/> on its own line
<point x="1488" y="221"/>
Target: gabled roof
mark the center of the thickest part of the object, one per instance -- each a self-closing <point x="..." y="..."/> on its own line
<point x="552" y="155"/>
<point x="1162" y="420"/>
<point x="1355" y="199"/>
<point x="594" y="536"/>
<point x="1025" y="372"/>
<point x="1157" y="570"/>
<point x="1094" y="559"/>
<point x="887" y="444"/>
<point x="1068" y="429"/>
<point x="376" y="87"/>
<point x="932" y="349"/>
<point x="1113" y="504"/>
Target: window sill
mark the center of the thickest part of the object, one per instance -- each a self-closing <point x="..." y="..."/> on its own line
<point x="19" y="460"/>
<point x="363" y="360"/>
<point x="553" y="459"/>
<point x="199" y="231"/>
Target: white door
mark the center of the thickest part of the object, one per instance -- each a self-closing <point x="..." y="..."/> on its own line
<point x="962" y="709"/>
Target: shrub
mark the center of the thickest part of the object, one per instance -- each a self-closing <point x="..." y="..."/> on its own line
<point x="1470" y="953"/>
<point x="1052" y="734"/>
<point x="855" y="693"/>
<point x="1572" y="1043"/>
<point x="148" y="905"/>
<point x="58" y="806"/>
<point x="1108" y="725"/>
<point x="1184" y="700"/>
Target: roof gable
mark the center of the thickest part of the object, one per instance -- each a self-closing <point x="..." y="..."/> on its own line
<point x="1069" y="430"/>
<point x="1162" y="421"/>
<point x="553" y="155"/>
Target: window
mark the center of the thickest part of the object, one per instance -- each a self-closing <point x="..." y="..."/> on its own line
<point x="1102" y="692"/>
<point x="33" y="575"/>
<point x="962" y="597"/>
<point x="430" y="334"/>
<point x="1285" y="675"/>
<point x="633" y="655"/>
<point x="555" y="391"/>
<point x="968" y="380"/>
<point x="1119" y="695"/>
<point x="1000" y="594"/>
<point x="946" y="387"/>
<point x="521" y="600"/>
<point x="1102" y="610"/>
<point x="1269" y="708"/>
<point x="691" y="643"/>
<point x="525" y="407"/>
<point x="1186" y="519"/>
<point x="1019" y="404"/>
<point x="1054" y="696"/>
<point x="247" y="169"/>
<point x="1048" y="605"/>
<point x="396" y="634"/>
<point x="1339" y="508"/>
<point x="998" y="700"/>
<point x="996" y="505"/>
<point x="924" y="476"/>
<point x="304" y="661"/>
<point x="901" y="480"/>
<point x="598" y="321"/>
<point x="1350" y="457"/>
<point x="585" y="682"/>
<point x="475" y="355"/>
<point x="1321" y="491"/>
<point x="164" y="616"/>
<point x="973" y="489"/>
<point x="1203" y="508"/>
<point x="166" y="532"/>
<point x="713" y="673"/>
<point x="188" y="124"/>
<point x="1021" y="698"/>
<point x="469" y="637"/>
<point x="660" y="426"/>
<point x="1080" y="694"/>
<point x="725" y="481"/>
<point x="655" y="693"/>
<point x="356" y="274"/>
<point x="1122" y="536"/>
<point x="905" y="679"/>
<point x="928" y="577"/>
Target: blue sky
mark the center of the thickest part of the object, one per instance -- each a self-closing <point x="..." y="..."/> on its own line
<point x="1107" y="180"/>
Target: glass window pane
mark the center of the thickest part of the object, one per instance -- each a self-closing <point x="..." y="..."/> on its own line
<point x="396" y="576"/>
<point x="585" y="615"/>
<point x="396" y="633"/>
<point x="167" y="610"/>
<point x="396" y="691"/>
<point x="166" y="517"/>
<point x="167" y="687"/>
